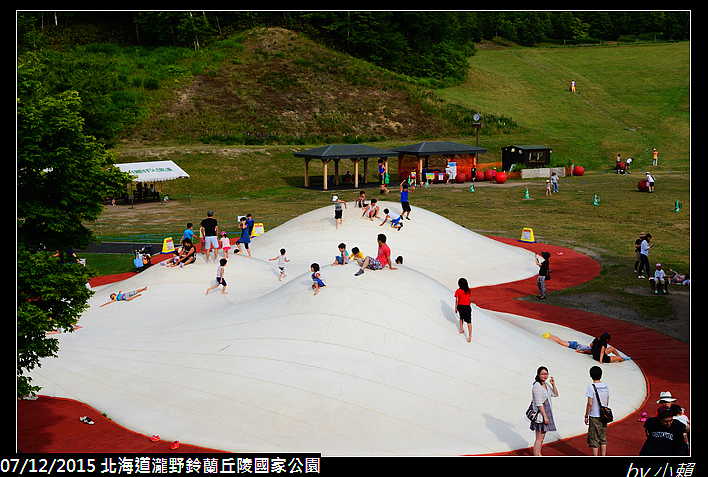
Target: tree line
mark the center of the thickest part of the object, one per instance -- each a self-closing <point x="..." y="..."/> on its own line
<point x="419" y="44"/>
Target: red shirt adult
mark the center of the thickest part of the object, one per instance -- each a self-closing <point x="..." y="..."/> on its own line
<point x="384" y="254"/>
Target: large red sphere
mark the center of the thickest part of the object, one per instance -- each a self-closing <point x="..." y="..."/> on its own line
<point x="500" y="178"/>
<point x="643" y="186"/>
<point x="480" y="175"/>
<point x="578" y="170"/>
<point x="622" y="165"/>
<point x="460" y="177"/>
<point x="488" y="175"/>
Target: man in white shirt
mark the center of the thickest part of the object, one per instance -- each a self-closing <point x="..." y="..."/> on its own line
<point x="597" y="430"/>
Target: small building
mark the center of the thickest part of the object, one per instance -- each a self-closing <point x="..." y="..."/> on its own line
<point x="528" y="156"/>
<point x="435" y="157"/>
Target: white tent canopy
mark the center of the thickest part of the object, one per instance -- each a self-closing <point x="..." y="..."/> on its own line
<point x="153" y="171"/>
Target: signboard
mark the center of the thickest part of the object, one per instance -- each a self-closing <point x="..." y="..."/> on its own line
<point x="168" y="246"/>
<point x="527" y="236"/>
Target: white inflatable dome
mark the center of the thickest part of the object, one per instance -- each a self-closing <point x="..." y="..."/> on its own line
<point x="373" y="365"/>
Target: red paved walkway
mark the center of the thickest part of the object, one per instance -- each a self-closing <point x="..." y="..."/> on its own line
<point x="51" y="425"/>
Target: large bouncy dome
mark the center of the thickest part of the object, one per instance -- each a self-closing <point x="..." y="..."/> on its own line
<point x="372" y="365"/>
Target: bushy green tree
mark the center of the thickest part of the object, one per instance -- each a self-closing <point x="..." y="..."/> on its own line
<point x="63" y="177"/>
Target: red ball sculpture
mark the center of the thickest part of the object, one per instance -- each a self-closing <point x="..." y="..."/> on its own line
<point x="643" y="186"/>
<point x="500" y="178"/>
<point x="578" y="170"/>
<point x="480" y="175"/>
<point x="488" y="175"/>
<point x="460" y="177"/>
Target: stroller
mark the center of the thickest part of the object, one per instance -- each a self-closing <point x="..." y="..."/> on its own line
<point x="142" y="258"/>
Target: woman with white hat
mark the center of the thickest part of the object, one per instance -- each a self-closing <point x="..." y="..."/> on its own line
<point x="665" y="398"/>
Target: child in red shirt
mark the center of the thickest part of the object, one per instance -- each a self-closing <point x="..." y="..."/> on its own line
<point x="463" y="306"/>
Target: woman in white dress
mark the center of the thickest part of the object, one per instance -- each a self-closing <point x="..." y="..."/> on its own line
<point x="544" y="388"/>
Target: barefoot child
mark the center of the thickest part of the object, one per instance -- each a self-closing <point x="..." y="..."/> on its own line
<point x="127" y="296"/>
<point x="343" y="256"/>
<point x="219" y="278"/>
<point x="396" y="220"/>
<point x="225" y="244"/>
<point x="281" y="263"/>
<point x="338" y="211"/>
<point x="316" y="278"/>
<point x="372" y="210"/>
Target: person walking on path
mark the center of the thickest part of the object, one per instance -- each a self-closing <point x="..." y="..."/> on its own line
<point x="597" y="428"/>
<point x="543" y="389"/>
<point x="210" y="232"/>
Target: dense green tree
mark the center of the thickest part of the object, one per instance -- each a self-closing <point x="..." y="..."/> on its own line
<point x="63" y="176"/>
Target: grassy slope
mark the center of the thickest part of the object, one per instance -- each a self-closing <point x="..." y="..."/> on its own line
<point x="629" y="100"/>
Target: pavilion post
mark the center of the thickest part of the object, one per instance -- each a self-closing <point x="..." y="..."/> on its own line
<point x="356" y="172"/>
<point x="324" y="172"/>
<point x="307" y="172"/>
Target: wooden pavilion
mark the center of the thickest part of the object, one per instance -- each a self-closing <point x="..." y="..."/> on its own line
<point x="354" y="152"/>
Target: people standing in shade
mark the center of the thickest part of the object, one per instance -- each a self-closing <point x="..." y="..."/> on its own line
<point x="597" y="428"/>
<point x="644" y="247"/>
<point x="463" y="306"/>
<point x="543" y="272"/>
<point x="543" y="389"/>
<point x="210" y="232"/>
